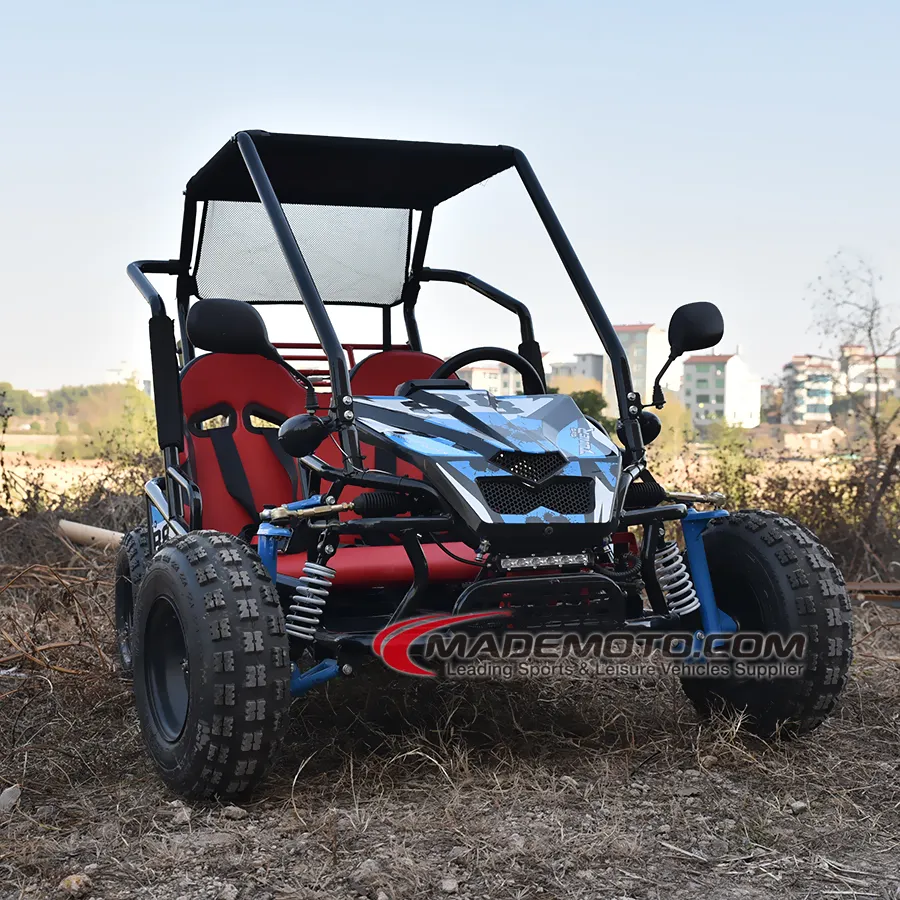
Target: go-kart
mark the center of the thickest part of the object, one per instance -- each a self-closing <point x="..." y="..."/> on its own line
<point x="320" y="500"/>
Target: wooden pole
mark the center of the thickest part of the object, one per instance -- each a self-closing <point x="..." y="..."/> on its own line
<point x="88" y="535"/>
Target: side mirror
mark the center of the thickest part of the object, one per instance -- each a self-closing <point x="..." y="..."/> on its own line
<point x="695" y="326"/>
<point x="229" y="326"/>
<point x="301" y="435"/>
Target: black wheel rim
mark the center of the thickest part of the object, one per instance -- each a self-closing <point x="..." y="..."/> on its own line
<point x="166" y="669"/>
<point x="737" y="594"/>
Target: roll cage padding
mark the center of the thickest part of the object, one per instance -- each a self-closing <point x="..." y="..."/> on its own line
<point x="166" y="395"/>
<point x="532" y="383"/>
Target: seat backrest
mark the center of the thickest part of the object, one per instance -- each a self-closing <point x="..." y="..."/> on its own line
<point x="378" y="375"/>
<point x="234" y="459"/>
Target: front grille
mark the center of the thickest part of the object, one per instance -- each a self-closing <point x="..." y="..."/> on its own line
<point x="532" y="466"/>
<point x="510" y="497"/>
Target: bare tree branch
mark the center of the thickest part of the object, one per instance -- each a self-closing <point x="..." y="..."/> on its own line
<point x="850" y="312"/>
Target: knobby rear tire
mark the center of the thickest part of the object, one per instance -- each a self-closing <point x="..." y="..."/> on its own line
<point x="131" y="563"/>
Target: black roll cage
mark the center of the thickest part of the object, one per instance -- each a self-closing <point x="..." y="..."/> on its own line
<point x="166" y="364"/>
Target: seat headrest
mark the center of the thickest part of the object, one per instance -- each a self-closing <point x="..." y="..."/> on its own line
<point x="229" y="326"/>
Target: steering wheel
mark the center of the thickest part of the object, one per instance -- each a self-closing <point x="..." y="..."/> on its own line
<point x="532" y="383"/>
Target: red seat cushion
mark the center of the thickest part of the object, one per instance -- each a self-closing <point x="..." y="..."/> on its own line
<point x="377" y="376"/>
<point x="364" y="567"/>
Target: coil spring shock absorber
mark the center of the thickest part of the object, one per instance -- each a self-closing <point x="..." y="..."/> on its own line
<point x="675" y="580"/>
<point x="308" y="603"/>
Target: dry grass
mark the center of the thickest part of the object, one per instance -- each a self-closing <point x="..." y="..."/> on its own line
<point x="58" y="476"/>
<point x="400" y="788"/>
<point x="396" y="788"/>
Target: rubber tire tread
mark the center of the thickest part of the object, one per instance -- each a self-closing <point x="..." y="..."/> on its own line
<point x="239" y="665"/>
<point x="805" y="593"/>
<point x="132" y="560"/>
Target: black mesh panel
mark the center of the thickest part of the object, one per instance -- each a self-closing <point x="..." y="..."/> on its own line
<point x="533" y="466"/>
<point x="355" y="254"/>
<point x="510" y="497"/>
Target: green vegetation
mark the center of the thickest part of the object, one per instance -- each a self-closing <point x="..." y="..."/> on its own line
<point x="733" y="466"/>
<point x="676" y="433"/>
<point x="591" y="403"/>
<point x="80" y="422"/>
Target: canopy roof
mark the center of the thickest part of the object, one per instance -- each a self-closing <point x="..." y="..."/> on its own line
<point x="338" y="171"/>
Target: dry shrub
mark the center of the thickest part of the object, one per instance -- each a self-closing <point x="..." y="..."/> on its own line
<point x="853" y="505"/>
<point x="108" y="495"/>
<point x="54" y="597"/>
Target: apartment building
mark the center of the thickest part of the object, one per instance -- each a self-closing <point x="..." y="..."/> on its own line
<point x="814" y="385"/>
<point x="860" y="374"/>
<point x="721" y="388"/>
<point x="584" y="374"/>
<point x="809" y="383"/>
<point x="501" y="380"/>
<point x="647" y="349"/>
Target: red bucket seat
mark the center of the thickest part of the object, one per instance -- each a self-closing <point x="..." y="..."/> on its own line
<point x="231" y="402"/>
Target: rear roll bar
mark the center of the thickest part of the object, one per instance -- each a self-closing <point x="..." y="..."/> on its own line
<point x="486" y="290"/>
<point x="138" y="271"/>
<point x="529" y="348"/>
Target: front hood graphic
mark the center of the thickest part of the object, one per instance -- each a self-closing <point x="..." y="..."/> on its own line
<point x="452" y="435"/>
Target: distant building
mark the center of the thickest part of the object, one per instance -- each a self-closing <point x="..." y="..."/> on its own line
<point x="504" y="381"/>
<point x="721" y="388"/>
<point x="815" y="386"/>
<point x="584" y="374"/>
<point x="803" y="441"/>
<point x="647" y="349"/>
<point x="809" y="383"/>
<point x="860" y="375"/>
<point x="125" y="373"/>
<point x="121" y="374"/>
<point x="819" y="443"/>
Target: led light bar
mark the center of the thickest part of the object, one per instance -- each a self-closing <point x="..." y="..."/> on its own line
<point x="556" y="561"/>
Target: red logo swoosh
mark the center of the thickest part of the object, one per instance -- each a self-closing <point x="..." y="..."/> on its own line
<point x="393" y="643"/>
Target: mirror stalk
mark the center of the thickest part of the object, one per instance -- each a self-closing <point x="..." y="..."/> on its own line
<point x="659" y="398"/>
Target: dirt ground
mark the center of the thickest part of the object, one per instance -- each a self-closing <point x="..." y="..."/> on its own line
<point x="394" y="788"/>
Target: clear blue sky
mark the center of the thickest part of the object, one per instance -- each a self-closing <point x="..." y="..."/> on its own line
<point x="692" y="150"/>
